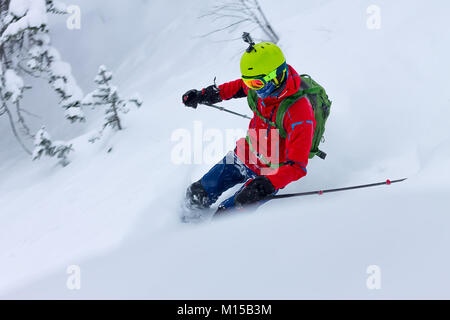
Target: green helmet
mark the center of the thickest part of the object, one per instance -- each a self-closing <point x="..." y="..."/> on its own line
<point x="262" y="60"/>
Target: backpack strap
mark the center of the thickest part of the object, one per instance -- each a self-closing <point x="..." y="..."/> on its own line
<point x="303" y="92"/>
<point x="319" y="101"/>
<point x="252" y="100"/>
<point x="283" y="108"/>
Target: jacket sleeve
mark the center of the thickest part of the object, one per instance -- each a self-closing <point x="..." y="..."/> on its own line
<point x="232" y="90"/>
<point x="299" y="124"/>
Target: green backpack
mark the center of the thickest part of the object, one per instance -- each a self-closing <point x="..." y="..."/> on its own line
<point x="319" y="101"/>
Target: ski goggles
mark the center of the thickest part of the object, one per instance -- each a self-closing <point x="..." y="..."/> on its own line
<point x="259" y="82"/>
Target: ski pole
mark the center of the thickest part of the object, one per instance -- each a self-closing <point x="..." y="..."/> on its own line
<point x="226" y="110"/>
<point x="320" y="192"/>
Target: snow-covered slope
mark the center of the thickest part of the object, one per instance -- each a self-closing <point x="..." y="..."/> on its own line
<point x="115" y="214"/>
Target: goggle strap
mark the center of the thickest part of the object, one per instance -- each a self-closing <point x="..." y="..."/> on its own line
<point x="266" y="79"/>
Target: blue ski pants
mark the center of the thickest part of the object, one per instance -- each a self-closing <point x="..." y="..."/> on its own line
<point x="226" y="174"/>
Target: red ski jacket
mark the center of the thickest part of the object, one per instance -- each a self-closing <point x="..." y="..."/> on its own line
<point x="293" y="151"/>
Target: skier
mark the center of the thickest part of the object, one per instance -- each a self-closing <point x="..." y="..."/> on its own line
<point x="280" y="136"/>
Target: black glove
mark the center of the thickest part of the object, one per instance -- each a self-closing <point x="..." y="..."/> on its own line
<point x="191" y="98"/>
<point x="208" y="95"/>
<point x="258" y="189"/>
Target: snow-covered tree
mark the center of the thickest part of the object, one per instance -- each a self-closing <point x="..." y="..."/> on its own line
<point x="43" y="145"/>
<point x="11" y="91"/>
<point x="26" y="50"/>
<point x="107" y="95"/>
<point x="44" y="59"/>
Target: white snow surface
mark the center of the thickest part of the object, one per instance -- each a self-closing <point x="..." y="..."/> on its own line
<point x="115" y="214"/>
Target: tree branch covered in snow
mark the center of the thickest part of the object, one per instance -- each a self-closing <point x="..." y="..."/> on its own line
<point x="11" y="90"/>
<point x="240" y="13"/>
<point x="108" y="96"/>
<point x="56" y="7"/>
<point x="26" y="50"/>
<point x="43" y="145"/>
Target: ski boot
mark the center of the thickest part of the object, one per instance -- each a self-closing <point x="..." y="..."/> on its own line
<point x="196" y="203"/>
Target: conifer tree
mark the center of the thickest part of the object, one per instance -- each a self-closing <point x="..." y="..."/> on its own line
<point x="26" y="51"/>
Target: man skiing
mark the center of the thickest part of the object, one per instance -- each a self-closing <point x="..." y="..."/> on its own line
<point x="280" y="136"/>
